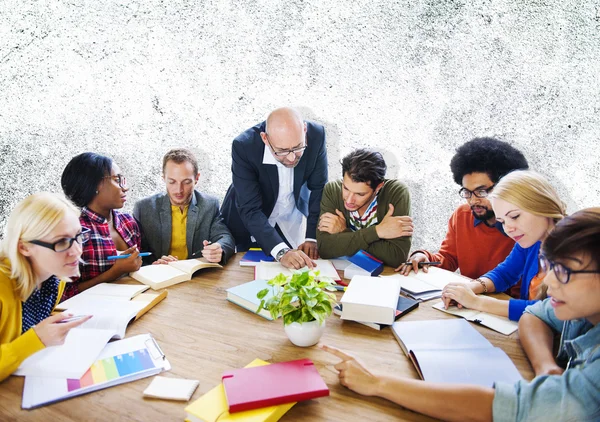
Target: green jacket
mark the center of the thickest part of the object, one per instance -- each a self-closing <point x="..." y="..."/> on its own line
<point x="391" y="251"/>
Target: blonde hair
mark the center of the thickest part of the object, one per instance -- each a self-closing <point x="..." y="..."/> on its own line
<point x="531" y="192"/>
<point x="33" y="218"/>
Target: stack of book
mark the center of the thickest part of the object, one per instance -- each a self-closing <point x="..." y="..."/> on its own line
<point x="427" y="285"/>
<point x="374" y="302"/>
<point x="237" y="398"/>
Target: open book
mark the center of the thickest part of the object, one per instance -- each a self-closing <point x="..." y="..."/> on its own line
<point x="116" y="293"/>
<point x="85" y="342"/>
<point x="119" y="362"/>
<point x="428" y="285"/>
<point x="166" y="275"/>
<point x="269" y="270"/>
<point x="497" y="323"/>
<point x="452" y="351"/>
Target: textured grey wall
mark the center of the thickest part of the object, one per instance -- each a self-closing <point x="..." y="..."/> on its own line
<point x="414" y="79"/>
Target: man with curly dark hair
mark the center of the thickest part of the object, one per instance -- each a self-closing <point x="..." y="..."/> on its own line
<point x="475" y="242"/>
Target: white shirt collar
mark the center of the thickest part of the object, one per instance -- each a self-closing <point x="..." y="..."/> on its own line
<point x="268" y="157"/>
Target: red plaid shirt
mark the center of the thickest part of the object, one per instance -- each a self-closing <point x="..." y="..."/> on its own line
<point x="100" y="245"/>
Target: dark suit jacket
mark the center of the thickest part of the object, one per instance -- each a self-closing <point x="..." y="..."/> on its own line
<point x="204" y="222"/>
<point x="253" y="193"/>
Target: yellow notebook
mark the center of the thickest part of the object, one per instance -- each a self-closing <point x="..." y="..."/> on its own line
<point x="212" y="407"/>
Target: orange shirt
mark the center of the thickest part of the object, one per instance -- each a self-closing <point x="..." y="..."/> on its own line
<point x="475" y="249"/>
<point x="534" y="286"/>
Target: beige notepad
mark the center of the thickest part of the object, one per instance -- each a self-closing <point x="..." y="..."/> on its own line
<point x="171" y="388"/>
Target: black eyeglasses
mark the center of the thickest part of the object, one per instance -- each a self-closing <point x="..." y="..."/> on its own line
<point x="120" y="179"/>
<point x="285" y="152"/>
<point x="479" y="193"/>
<point x="66" y="243"/>
<point x="562" y="273"/>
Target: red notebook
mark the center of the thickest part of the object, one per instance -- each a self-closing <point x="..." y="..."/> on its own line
<point x="271" y="385"/>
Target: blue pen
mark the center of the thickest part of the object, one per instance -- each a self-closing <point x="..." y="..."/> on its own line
<point x="126" y="255"/>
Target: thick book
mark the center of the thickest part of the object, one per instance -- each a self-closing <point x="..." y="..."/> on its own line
<point x="371" y="299"/>
<point x="367" y="262"/>
<point x="497" y="323"/>
<point x="171" y="388"/>
<point x="212" y="406"/>
<point x="405" y="305"/>
<point x="166" y="275"/>
<point x="84" y="343"/>
<point x="244" y="295"/>
<point x="452" y="351"/>
<point x="280" y="383"/>
<point x="115" y="293"/>
<point x="253" y="257"/>
<point x="428" y="285"/>
<point x="269" y="270"/>
<point x="119" y="362"/>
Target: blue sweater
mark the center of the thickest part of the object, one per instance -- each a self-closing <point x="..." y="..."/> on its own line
<point x="520" y="264"/>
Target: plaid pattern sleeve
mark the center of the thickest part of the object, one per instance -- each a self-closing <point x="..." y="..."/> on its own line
<point x="100" y="245"/>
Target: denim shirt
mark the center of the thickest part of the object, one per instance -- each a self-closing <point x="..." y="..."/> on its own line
<point x="572" y="396"/>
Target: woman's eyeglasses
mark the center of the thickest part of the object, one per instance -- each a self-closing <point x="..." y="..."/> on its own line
<point x="66" y="243"/>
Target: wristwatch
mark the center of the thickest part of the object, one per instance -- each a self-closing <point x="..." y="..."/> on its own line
<point x="281" y="253"/>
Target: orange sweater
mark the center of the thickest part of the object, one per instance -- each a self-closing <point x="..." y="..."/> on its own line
<point x="474" y="249"/>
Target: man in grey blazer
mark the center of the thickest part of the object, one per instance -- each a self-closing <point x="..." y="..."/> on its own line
<point x="182" y="223"/>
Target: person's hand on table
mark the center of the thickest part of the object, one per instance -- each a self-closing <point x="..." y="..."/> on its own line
<point x="414" y="260"/>
<point x="309" y="247"/>
<point x="165" y="259"/>
<point x="295" y="259"/>
<point x="461" y="294"/>
<point x="353" y="373"/>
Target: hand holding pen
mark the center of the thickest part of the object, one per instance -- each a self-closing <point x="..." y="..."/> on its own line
<point x="416" y="261"/>
<point x="130" y="260"/>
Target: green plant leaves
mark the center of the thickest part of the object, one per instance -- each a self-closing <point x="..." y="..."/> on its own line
<point x="300" y="297"/>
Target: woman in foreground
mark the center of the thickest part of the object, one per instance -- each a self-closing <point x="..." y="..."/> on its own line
<point x="41" y="246"/>
<point x="566" y="389"/>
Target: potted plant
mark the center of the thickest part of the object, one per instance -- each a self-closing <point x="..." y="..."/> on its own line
<point x="304" y="300"/>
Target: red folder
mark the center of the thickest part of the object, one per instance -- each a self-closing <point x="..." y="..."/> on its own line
<point x="271" y="385"/>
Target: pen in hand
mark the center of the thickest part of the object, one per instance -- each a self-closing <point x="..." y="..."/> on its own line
<point x="127" y="255"/>
<point x="422" y="264"/>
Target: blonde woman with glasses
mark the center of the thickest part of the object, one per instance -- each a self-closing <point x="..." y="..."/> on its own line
<point x="40" y="249"/>
<point x="528" y="208"/>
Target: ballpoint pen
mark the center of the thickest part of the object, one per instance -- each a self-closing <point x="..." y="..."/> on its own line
<point x="127" y="255"/>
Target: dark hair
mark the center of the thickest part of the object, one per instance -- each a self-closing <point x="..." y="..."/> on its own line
<point x="83" y="174"/>
<point x="576" y="233"/>
<point x="180" y="155"/>
<point x="486" y="155"/>
<point x="363" y="165"/>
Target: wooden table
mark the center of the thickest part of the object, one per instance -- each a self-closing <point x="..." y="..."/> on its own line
<point x="203" y="335"/>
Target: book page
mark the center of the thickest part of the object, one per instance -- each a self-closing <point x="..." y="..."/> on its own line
<point x="69" y="360"/>
<point x="126" y="291"/>
<point x="157" y="273"/>
<point x="497" y="323"/>
<point x="190" y="266"/>
<point x="269" y="270"/>
<point x="108" y="314"/>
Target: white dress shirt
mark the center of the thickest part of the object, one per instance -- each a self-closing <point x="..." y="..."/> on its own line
<point x="290" y="220"/>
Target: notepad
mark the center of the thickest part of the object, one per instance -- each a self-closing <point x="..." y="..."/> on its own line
<point x="119" y="362"/>
<point x="269" y="270"/>
<point x="213" y="405"/>
<point x="171" y="388"/>
<point x="452" y="351"/>
<point x="497" y="323"/>
<point x="166" y="275"/>
<point x="280" y="383"/>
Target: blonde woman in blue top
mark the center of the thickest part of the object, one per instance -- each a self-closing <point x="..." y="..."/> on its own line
<point x="564" y="390"/>
<point x="528" y="208"/>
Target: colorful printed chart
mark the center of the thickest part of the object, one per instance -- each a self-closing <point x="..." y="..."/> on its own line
<point x="111" y="368"/>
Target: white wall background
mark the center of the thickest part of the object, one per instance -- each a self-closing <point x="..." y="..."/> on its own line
<point x="414" y="79"/>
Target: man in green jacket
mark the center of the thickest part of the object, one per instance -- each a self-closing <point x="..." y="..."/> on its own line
<point x="365" y="211"/>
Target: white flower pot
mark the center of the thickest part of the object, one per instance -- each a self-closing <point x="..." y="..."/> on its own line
<point x="305" y="334"/>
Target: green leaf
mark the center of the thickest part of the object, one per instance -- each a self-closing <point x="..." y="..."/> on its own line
<point x="262" y="293"/>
